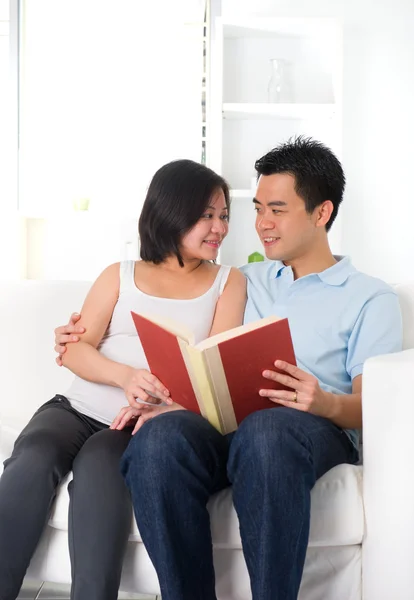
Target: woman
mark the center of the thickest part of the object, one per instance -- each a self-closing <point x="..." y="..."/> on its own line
<point x="183" y="222"/>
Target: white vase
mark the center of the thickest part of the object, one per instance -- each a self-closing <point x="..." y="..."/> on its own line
<point x="279" y="88"/>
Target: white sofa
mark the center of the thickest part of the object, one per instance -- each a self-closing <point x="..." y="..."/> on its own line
<point x="362" y="526"/>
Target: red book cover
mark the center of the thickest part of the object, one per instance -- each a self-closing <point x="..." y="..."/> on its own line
<point x="245" y="358"/>
<point x="166" y="361"/>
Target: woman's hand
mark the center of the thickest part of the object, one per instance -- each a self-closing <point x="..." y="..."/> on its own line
<point x="129" y="415"/>
<point x="142" y="385"/>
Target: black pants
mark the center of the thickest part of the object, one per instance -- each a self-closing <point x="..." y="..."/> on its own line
<point x="56" y="440"/>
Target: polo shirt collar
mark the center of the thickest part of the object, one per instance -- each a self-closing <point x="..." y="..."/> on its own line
<point x="335" y="275"/>
<point x="279" y="266"/>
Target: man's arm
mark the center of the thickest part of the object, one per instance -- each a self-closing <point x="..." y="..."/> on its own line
<point x="377" y="330"/>
<point x="346" y="409"/>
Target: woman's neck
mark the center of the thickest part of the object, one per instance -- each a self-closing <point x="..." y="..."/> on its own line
<point x="171" y="265"/>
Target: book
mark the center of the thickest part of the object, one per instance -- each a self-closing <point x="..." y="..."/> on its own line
<point x="220" y="377"/>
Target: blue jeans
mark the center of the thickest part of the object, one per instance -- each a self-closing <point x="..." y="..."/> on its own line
<point x="178" y="460"/>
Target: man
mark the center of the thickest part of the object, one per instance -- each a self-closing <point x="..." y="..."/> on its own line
<point x="338" y="317"/>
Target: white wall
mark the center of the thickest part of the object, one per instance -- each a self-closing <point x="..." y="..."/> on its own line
<point x="12" y="244"/>
<point x="78" y="245"/>
<point x="378" y="153"/>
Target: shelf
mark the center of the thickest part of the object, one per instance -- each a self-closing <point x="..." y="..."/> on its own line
<point x="241" y="194"/>
<point x="269" y="27"/>
<point x="278" y="111"/>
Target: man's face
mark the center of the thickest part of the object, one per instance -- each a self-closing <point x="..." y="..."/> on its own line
<point x="286" y="230"/>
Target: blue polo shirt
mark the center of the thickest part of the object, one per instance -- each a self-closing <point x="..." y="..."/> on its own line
<point x="338" y="318"/>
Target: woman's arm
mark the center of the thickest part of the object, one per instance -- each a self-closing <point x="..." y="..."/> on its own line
<point x="87" y="362"/>
<point x="83" y="358"/>
<point x="64" y="334"/>
<point x="232" y="302"/>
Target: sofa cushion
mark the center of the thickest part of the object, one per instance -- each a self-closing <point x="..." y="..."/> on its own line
<point x="30" y="311"/>
<point x="336" y="519"/>
<point x="336" y="512"/>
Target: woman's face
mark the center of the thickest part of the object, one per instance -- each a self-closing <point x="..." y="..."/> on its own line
<point x="203" y="241"/>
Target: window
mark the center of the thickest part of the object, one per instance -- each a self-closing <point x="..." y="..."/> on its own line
<point x="12" y="251"/>
<point x="110" y="91"/>
<point x="8" y="114"/>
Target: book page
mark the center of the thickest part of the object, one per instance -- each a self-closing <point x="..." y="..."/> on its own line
<point x="202" y="386"/>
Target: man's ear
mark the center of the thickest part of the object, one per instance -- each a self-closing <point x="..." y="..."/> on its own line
<point x="324" y="212"/>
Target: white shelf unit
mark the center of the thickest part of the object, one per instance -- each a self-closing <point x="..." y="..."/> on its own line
<point x="243" y="125"/>
<point x="265" y="110"/>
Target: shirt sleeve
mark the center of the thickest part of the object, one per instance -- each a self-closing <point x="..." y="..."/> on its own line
<point x="378" y="330"/>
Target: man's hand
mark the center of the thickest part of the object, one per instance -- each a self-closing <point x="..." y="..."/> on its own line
<point x="128" y="416"/>
<point x="142" y="385"/>
<point x="67" y="334"/>
<point x="306" y="394"/>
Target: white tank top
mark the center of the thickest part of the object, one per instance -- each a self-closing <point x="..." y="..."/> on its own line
<point x="121" y="342"/>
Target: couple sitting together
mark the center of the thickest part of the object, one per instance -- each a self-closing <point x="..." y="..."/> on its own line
<point x="169" y="461"/>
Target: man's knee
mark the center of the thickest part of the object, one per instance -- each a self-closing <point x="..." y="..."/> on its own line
<point x="268" y="436"/>
<point x="269" y="426"/>
<point x="163" y="441"/>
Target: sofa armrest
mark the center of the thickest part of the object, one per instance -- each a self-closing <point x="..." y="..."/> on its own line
<point x="388" y="483"/>
<point x="8" y="435"/>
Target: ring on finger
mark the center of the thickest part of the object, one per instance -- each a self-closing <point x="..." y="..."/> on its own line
<point x="295" y="396"/>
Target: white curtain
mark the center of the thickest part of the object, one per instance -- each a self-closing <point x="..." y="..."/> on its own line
<point x="12" y="248"/>
<point x="110" y="91"/>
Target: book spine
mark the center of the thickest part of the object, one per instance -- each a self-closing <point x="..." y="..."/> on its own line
<point x="220" y="389"/>
<point x="203" y="389"/>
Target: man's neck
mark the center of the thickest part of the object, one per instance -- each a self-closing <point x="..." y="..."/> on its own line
<point x="312" y="263"/>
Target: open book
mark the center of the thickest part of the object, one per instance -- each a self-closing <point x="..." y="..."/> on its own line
<point x="221" y="376"/>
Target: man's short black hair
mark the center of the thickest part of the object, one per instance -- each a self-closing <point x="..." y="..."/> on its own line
<point x="318" y="173"/>
<point x="177" y="197"/>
